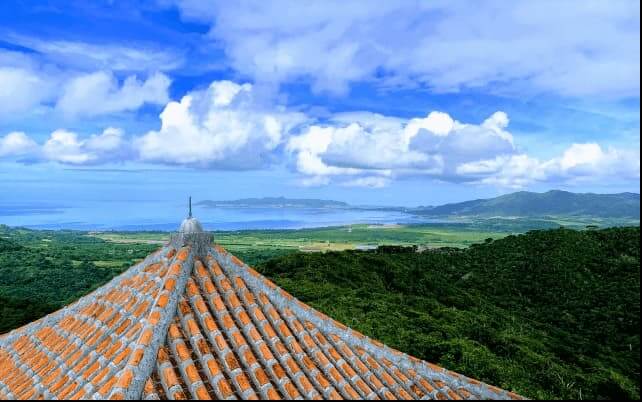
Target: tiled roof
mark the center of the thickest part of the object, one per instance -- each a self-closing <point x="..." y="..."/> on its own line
<point x="180" y="326"/>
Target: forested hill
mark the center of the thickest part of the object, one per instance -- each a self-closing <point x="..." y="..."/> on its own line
<point x="549" y="314"/>
<point x="552" y="203"/>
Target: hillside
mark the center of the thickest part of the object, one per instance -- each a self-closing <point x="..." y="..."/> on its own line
<point x="552" y="314"/>
<point x="552" y="203"/>
<point x="274" y="202"/>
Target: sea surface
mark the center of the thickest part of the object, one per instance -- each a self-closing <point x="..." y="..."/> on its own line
<point x="150" y="216"/>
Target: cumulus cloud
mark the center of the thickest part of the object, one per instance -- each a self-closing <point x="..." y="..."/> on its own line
<point x="578" y="163"/>
<point x="223" y="126"/>
<point x="365" y="144"/>
<point x="590" y="160"/>
<point x="101" y="93"/>
<point x="226" y="126"/>
<point x="570" y="48"/>
<point x="371" y="150"/>
<point x="511" y="171"/>
<point x="66" y="147"/>
<point x="16" y="144"/>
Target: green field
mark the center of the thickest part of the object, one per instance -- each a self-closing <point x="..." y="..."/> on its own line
<point x="456" y="233"/>
<point x="329" y="239"/>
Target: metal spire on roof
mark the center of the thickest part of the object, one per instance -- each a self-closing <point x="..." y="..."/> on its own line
<point x="191" y="233"/>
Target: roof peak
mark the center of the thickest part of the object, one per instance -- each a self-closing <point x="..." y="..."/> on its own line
<point x="190" y="224"/>
<point x="191" y="233"/>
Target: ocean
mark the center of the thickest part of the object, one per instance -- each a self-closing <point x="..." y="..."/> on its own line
<point x="152" y="216"/>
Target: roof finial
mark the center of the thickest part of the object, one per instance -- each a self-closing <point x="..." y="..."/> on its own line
<point x="190" y="207"/>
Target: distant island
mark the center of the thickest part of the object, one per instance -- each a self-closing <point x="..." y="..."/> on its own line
<point x="521" y="204"/>
<point x="275" y="202"/>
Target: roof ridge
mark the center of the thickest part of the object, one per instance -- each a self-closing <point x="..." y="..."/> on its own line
<point x="10" y="336"/>
<point x="142" y="361"/>
<point x="284" y="300"/>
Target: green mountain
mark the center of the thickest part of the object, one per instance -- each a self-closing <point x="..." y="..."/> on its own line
<point x="552" y="203"/>
<point x="274" y="202"/>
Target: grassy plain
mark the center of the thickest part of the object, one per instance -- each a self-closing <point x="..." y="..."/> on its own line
<point x="459" y="233"/>
<point x="330" y="239"/>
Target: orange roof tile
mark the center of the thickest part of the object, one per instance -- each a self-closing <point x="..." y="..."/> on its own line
<point x="180" y="326"/>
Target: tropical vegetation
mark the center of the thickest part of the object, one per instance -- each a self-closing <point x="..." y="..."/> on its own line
<point x="548" y="314"/>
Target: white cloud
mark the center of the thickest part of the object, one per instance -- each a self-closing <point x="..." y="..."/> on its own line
<point x="379" y="146"/>
<point x="101" y="93"/>
<point x="66" y="147"/>
<point x="22" y="89"/>
<point x="579" y="155"/>
<point x="16" y="144"/>
<point x="570" y="48"/>
<point x="86" y="56"/>
<point x="587" y="162"/>
<point x="110" y="140"/>
<point x="223" y="126"/>
<point x="226" y="126"/>
<point x="590" y="161"/>
<point x="364" y="149"/>
<point x="511" y="171"/>
<point x="80" y="80"/>
<point x="438" y="123"/>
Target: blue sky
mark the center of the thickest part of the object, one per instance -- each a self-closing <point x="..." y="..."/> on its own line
<point x="407" y="103"/>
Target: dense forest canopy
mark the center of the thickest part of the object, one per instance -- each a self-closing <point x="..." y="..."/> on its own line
<point x="548" y="314"/>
